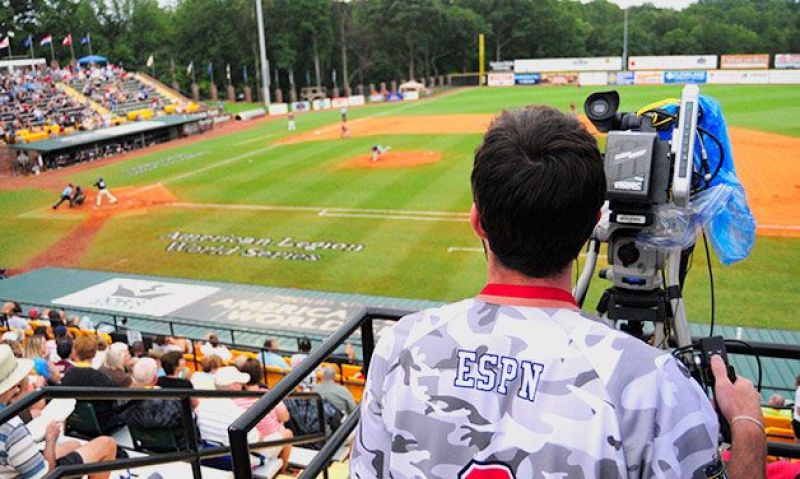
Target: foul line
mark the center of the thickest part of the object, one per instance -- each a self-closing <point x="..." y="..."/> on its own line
<point x="409" y="215"/>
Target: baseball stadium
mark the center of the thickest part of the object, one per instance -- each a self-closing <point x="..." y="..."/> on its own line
<point x="227" y="256"/>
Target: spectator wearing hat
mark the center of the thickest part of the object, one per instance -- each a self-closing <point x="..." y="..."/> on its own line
<point x="215" y="415"/>
<point x="20" y="455"/>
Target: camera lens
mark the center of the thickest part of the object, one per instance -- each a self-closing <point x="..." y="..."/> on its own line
<point x="600" y="107"/>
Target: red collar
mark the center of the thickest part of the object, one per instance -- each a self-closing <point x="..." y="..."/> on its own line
<point x="529" y="292"/>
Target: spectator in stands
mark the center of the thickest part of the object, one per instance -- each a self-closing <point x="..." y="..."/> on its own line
<point x="152" y="413"/>
<point x="175" y="371"/>
<point x="205" y="379"/>
<point x="213" y="347"/>
<point x="304" y="345"/>
<point x="14" y="319"/>
<point x="44" y="368"/>
<point x="51" y="346"/>
<point x="20" y="456"/>
<point x="55" y="319"/>
<point x="272" y="426"/>
<point x="271" y="357"/>
<point x="116" y="365"/>
<point x="215" y="415"/>
<point x="84" y="375"/>
<point x="64" y="350"/>
<point x="102" y="349"/>
<point x="336" y="394"/>
<point x="138" y="350"/>
<point x="13" y="344"/>
<point x="796" y="409"/>
<point x="776" y="401"/>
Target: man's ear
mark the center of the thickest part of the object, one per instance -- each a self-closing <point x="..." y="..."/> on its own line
<point x="475" y="221"/>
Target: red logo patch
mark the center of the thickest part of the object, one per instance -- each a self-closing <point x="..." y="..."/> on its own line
<point x="492" y="470"/>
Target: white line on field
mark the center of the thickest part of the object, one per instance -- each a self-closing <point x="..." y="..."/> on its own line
<point x="253" y="140"/>
<point x="411" y="215"/>
<point x="218" y="164"/>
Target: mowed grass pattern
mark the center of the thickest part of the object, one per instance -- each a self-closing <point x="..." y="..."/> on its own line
<point x="400" y="257"/>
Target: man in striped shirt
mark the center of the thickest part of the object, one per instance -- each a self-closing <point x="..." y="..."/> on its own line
<point x="19" y="452"/>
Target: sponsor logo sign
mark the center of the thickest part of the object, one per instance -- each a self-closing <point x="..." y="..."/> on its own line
<point x="673" y="62"/>
<point x="739" y="76"/>
<point x="744" y="62"/>
<point x="685" y="76"/>
<point x="527" y="78"/>
<point x="340" y="102"/>
<point x="278" y="108"/>
<point x="135" y="296"/>
<point x="301" y="106"/>
<point x="648" y="78"/>
<point x="622" y="78"/>
<point x="505" y="66"/>
<point x="787" y="60"/>
<point x="323" y="104"/>
<point x="568" y="64"/>
<point x="411" y="95"/>
<point x="500" y="79"/>
<point x="356" y="100"/>
<point x="376" y="98"/>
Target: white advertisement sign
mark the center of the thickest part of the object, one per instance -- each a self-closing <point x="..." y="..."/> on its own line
<point x="739" y="77"/>
<point x="324" y="104"/>
<point x="356" y="100"/>
<point x="648" y="78"/>
<point x="568" y="64"/>
<point x="340" y="102"/>
<point x="301" y="106"/>
<point x="744" y="62"/>
<point x="411" y="95"/>
<point x="784" y="77"/>
<point x="278" y="109"/>
<point x="125" y="295"/>
<point x="787" y="60"/>
<point x="500" y="79"/>
<point x="673" y="62"/>
<point x="593" y="78"/>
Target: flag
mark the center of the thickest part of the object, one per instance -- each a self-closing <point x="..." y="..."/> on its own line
<point x="190" y="67"/>
<point x="150" y="62"/>
<point x="48" y="40"/>
<point x="244" y="73"/>
<point x="67" y="41"/>
<point x="210" y="70"/>
<point x="85" y="40"/>
<point x="27" y="42"/>
<point x="228" y="72"/>
<point x="5" y="43"/>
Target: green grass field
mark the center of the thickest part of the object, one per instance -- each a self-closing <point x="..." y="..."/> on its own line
<point x="407" y="225"/>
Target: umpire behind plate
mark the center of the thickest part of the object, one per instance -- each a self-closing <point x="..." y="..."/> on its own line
<point x="517" y="382"/>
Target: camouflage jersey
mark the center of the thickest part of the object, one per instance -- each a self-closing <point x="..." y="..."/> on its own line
<point x="481" y="390"/>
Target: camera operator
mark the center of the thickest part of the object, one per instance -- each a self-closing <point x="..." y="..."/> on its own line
<point x="518" y="382"/>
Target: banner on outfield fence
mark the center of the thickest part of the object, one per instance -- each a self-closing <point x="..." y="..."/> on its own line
<point x="323" y="104"/>
<point x="340" y="102"/>
<point x="527" y="78"/>
<point x="784" y="77"/>
<point x="301" y="106"/>
<point x="787" y="60"/>
<point x="500" y="79"/>
<point x="648" y="78"/>
<point x="685" y="76"/>
<point x="505" y="66"/>
<point x="738" y="77"/>
<point x="559" y="79"/>
<point x="356" y="100"/>
<point x="620" y="78"/>
<point x="411" y="95"/>
<point x="376" y="98"/>
<point x="542" y="65"/>
<point x="593" y="78"/>
<point x="278" y="108"/>
<point x="744" y="62"/>
<point x="673" y="62"/>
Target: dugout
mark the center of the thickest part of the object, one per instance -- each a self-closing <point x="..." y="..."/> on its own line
<point x="91" y="145"/>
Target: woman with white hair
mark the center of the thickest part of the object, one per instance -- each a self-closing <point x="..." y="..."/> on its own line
<point x="116" y="365"/>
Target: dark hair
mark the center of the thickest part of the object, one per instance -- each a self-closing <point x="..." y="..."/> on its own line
<point x="538" y="183"/>
<point x="64" y="347"/>
<point x="53" y="316"/>
<point x="213" y="339"/>
<point x="268" y="343"/>
<point x="40" y="331"/>
<point x="253" y="368"/>
<point x="304" y="344"/>
<point x="170" y="361"/>
<point x="17" y="308"/>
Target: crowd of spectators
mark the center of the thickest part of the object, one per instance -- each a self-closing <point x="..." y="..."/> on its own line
<point x="61" y="351"/>
<point x="115" y="89"/>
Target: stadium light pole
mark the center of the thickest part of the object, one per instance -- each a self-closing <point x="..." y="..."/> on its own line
<point x="345" y="78"/>
<point x="262" y="46"/>
<point x="625" y="41"/>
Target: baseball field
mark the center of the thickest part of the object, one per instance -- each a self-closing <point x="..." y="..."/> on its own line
<point x="254" y="203"/>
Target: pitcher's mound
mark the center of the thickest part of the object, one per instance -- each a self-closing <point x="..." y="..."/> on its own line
<point x="393" y="159"/>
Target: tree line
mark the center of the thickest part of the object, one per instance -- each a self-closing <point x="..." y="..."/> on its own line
<point x="384" y="39"/>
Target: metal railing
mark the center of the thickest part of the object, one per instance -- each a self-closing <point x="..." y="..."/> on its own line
<point x="194" y="454"/>
<point x="237" y="432"/>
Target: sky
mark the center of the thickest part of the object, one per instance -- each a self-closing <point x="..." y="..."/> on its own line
<point x="676" y="4"/>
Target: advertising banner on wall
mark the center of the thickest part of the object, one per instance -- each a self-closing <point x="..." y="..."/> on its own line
<point x="784" y="77"/>
<point x="744" y="62"/>
<point x="621" y="78"/>
<point x="301" y="106"/>
<point x="527" y="78"/>
<point x="673" y="62"/>
<point x="559" y="79"/>
<point x="738" y="77"/>
<point x="593" y="78"/>
<point x="500" y="79"/>
<point x="278" y="108"/>
<point x="323" y="104"/>
<point x="356" y="100"/>
<point x="340" y="102"/>
<point x="685" y="76"/>
<point x="787" y="60"/>
<point x="648" y="78"/>
<point x="505" y="66"/>
<point x="376" y="98"/>
<point x="411" y="95"/>
<point x="568" y="64"/>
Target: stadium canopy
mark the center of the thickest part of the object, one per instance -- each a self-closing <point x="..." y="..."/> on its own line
<point x="92" y="59"/>
<point x="412" y="86"/>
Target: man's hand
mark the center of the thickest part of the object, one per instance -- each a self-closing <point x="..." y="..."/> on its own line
<point x="52" y="432"/>
<point x="734" y="399"/>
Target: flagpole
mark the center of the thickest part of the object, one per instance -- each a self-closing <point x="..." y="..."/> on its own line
<point x="52" y="52"/>
<point x="30" y="40"/>
<point x="71" y="49"/>
<point x="89" y="41"/>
